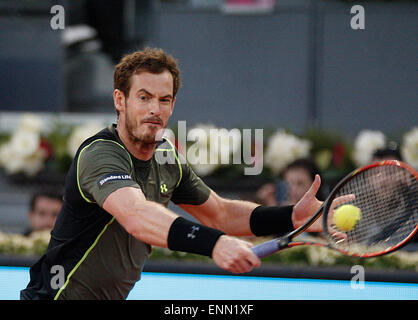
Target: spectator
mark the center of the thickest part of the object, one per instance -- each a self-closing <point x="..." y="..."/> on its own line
<point x="44" y="206"/>
<point x="296" y="180"/>
<point x="388" y="153"/>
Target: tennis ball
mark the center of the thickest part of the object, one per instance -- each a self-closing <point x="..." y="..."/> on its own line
<point x="346" y="217"/>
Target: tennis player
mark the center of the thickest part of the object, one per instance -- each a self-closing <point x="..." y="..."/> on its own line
<point x="116" y="196"/>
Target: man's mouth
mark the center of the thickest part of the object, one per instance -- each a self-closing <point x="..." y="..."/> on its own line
<point x="154" y="121"/>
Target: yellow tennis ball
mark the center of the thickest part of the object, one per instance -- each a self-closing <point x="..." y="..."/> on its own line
<point x="346" y="217"/>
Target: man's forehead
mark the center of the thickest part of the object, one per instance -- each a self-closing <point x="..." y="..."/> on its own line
<point x="46" y="199"/>
<point x="153" y="81"/>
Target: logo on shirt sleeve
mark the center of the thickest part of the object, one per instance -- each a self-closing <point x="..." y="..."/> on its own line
<point x="113" y="177"/>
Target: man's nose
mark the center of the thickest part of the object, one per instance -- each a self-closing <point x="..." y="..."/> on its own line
<point x="155" y="107"/>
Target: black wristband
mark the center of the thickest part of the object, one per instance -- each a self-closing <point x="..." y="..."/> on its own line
<point x="266" y="221"/>
<point x="188" y="236"/>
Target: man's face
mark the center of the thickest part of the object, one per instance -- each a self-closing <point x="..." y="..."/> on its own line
<point x="44" y="213"/>
<point x="299" y="182"/>
<point x="148" y="107"/>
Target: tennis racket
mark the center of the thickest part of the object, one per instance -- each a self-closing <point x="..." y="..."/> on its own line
<point x="386" y="193"/>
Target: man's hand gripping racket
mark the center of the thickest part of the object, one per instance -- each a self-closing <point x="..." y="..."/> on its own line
<point x="387" y="195"/>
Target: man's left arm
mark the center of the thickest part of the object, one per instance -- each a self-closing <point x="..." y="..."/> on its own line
<point x="243" y="218"/>
<point x="230" y="216"/>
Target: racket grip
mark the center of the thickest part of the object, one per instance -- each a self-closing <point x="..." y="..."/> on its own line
<point x="265" y="249"/>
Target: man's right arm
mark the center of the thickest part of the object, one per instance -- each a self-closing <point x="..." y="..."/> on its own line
<point x="145" y="220"/>
<point x="151" y="222"/>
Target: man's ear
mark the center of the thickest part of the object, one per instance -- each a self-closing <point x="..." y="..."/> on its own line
<point x="119" y="100"/>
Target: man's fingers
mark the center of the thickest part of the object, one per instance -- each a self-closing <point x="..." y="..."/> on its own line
<point x="336" y="203"/>
<point x="316" y="184"/>
<point x="237" y="257"/>
<point x="242" y="266"/>
<point x="245" y="261"/>
<point x="338" y="235"/>
<point x="340" y="200"/>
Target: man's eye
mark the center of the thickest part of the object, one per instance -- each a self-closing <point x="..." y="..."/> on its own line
<point x="143" y="98"/>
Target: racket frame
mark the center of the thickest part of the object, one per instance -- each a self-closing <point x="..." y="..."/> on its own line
<point x="283" y="242"/>
<point x="327" y="205"/>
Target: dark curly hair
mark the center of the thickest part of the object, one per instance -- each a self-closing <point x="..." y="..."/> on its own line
<point x="152" y="60"/>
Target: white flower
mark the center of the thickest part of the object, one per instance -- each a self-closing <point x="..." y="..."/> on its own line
<point x="4" y="152"/>
<point x="31" y="122"/>
<point x="34" y="163"/>
<point x="320" y="256"/>
<point x="22" y="153"/>
<point x="284" y="148"/>
<point x="24" y="142"/>
<point x="81" y="133"/>
<point x="42" y="236"/>
<point x="365" y="144"/>
<point x="11" y="161"/>
<point x="409" y="148"/>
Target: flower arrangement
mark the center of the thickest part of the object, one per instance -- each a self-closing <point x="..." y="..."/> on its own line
<point x="365" y="144"/>
<point x="31" y="148"/>
<point x="16" y="244"/>
<point x="25" y="152"/>
<point x="81" y="133"/>
<point x="409" y="149"/>
<point x="283" y="148"/>
<point x="37" y="243"/>
<point x="34" y="147"/>
<point x="310" y="256"/>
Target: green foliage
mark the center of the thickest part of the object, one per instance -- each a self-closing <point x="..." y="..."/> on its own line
<point x="57" y="138"/>
<point x="36" y="245"/>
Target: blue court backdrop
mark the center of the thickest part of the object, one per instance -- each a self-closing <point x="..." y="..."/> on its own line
<point x="172" y="286"/>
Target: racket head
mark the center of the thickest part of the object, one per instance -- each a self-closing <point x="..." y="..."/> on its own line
<point x="386" y="192"/>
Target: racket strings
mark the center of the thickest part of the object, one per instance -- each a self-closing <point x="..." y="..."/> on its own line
<point x="387" y="197"/>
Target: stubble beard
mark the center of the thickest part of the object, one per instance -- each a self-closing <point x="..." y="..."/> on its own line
<point x="136" y="137"/>
<point x="147" y="138"/>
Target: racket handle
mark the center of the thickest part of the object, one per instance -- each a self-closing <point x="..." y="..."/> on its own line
<point x="267" y="248"/>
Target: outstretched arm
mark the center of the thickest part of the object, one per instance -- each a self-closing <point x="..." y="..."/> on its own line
<point x="234" y="216"/>
<point x="145" y="220"/>
<point x="230" y="216"/>
<point x="156" y="225"/>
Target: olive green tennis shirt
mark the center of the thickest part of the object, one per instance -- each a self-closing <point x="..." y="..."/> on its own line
<point x="105" y="165"/>
<point x="100" y="260"/>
